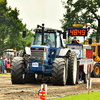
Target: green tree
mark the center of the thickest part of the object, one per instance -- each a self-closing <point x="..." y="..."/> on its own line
<point x="11" y="28"/>
<point x="66" y="40"/>
<point x="82" y="12"/>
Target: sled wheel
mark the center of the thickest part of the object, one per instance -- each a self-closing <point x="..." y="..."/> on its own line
<point x="72" y="68"/>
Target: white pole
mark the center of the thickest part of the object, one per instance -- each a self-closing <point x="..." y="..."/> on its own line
<point x="90" y="83"/>
<point x="46" y="89"/>
<point x="87" y="83"/>
<point x="41" y="86"/>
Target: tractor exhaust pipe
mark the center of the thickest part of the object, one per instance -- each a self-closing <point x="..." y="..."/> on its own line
<point x="42" y="34"/>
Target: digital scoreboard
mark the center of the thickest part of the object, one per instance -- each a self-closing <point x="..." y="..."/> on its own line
<point x="77" y="32"/>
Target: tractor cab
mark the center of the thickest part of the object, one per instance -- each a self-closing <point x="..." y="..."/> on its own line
<point x="49" y="39"/>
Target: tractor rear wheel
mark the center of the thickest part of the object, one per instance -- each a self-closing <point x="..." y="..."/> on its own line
<point x="17" y="72"/>
<point x="30" y="78"/>
<point x="96" y="71"/>
<point x="59" y="75"/>
<point x="72" y="68"/>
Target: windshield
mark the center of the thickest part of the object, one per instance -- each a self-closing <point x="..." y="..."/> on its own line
<point x="49" y="39"/>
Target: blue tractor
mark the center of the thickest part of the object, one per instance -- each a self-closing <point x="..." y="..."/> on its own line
<point x="46" y="60"/>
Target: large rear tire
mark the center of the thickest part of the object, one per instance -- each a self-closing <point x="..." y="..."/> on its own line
<point x="59" y="75"/>
<point x="72" y="68"/>
<point x="17" y="72"/>
<point x="96" y="71"/>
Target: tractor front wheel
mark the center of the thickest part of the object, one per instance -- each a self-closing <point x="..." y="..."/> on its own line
<point x="17" y="72"/>
<point x="59" y="74"/>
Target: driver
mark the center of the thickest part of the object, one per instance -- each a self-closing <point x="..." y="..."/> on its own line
<point x="47" y="41"/>
<point x="75" y="41"/>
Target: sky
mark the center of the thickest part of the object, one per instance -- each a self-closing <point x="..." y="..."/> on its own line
<point x="33" y="12"/>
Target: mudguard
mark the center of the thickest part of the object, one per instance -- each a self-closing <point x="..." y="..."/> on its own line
<point x="63" y="51"/>
<point x="28" y="50"/>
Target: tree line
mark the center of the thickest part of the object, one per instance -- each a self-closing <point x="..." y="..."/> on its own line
<point x="83" y="12"/>
<point x="11" y="28"/>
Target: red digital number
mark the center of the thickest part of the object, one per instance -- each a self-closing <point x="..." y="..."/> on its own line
<point x="79" y="32"/>
<point x="75" y="32"/>
<point x="83" y="32"/>
<point x="71" y="32"/>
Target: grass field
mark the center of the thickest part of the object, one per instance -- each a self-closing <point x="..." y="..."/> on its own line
<point x="8" y="74"/>
<point x="83" y="96"/>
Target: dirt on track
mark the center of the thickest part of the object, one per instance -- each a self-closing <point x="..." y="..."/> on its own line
<point x="9" y="91"/>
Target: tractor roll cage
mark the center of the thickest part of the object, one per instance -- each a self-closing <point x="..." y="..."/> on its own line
<point x="48" y="30"/>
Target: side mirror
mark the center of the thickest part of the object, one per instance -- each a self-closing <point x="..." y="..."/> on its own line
<point x="24" y="34"/>
<point x="64" y="35"/>
<point x="90" y="41"/>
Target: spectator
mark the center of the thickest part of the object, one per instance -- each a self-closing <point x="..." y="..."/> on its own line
<point x="75" y="41"/>
<point x="8" y="69"/>
<point x="1" y="65"/>
<point x="5" y="65"/>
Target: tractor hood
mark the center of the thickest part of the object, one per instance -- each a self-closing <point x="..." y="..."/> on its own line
<point x="39" y="52"/>
<point x="39" y="48"/>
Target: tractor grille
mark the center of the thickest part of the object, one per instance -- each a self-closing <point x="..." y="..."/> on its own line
<point x="39" y="55"/>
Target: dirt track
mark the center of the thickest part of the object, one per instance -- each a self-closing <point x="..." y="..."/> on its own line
<point x="8" y="91"/>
